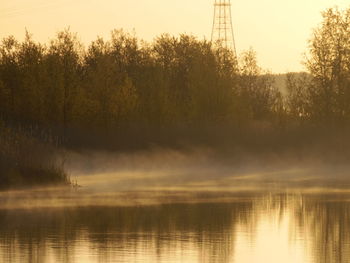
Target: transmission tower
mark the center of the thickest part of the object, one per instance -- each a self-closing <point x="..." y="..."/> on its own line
<point x="222" y="25"/>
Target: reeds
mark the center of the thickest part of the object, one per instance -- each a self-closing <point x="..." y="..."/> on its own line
<point x="27" y="161"/>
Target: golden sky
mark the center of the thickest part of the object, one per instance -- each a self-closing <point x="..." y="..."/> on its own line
<point x="277" y="29"/>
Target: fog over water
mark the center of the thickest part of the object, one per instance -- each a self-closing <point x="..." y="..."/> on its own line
<point x="176" y="206"/>
<point x="172" y="176"/>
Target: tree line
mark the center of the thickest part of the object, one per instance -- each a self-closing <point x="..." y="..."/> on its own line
<point x="174" y="86"/>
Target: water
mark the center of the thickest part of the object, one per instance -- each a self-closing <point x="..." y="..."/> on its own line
<point x="271" y="228"/>
<point x="235" y="219"/>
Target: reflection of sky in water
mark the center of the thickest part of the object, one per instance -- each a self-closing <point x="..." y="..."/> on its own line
<point x="276" y="239"/>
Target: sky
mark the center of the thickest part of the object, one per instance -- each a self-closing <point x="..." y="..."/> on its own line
<point x="278" y="30"/>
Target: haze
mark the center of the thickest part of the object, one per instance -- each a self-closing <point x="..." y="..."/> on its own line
<point x="277" y="30"/>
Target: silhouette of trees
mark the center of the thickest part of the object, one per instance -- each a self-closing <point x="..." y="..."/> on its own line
<point x="9" y="76"/>
<point x="124" y="91"/>
<point x="256" y="87"/>
<point x="298" y="98"/>
<point x="328" y="63"/>
<point x="117" y="87"/>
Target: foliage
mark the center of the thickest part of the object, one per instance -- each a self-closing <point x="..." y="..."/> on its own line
<point x="171" y="89"/>
<point x="124" y="84"/>
<point x="328" y="62"/>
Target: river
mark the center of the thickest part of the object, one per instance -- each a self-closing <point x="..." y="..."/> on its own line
<point x="171" y="216"/>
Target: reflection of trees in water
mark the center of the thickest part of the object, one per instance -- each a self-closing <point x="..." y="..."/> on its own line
<point x="327" y="224"/>
<point x="323" y="222"/>
<point x="205" y="232"/>
<point x="206" y="229"/>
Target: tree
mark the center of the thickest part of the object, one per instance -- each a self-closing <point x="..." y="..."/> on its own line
<point x="328" y="62"/>
<point x="109" y="92"/>
<point x="63" y="68"/>
<point x="10" y="76"/>
<point x="30" y="92"/>
<point x="256" y="89"/>
<point x="298" y="97"/>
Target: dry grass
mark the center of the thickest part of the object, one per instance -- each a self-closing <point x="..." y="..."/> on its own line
<point x="26" y="161"/>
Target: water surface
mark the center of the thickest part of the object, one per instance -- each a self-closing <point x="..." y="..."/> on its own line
<point x="160" y="217"/>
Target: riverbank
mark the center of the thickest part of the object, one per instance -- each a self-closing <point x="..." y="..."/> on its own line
<point x="26" y="161"/>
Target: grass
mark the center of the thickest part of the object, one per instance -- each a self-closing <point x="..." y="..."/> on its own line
<point x="28" y="161"/>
